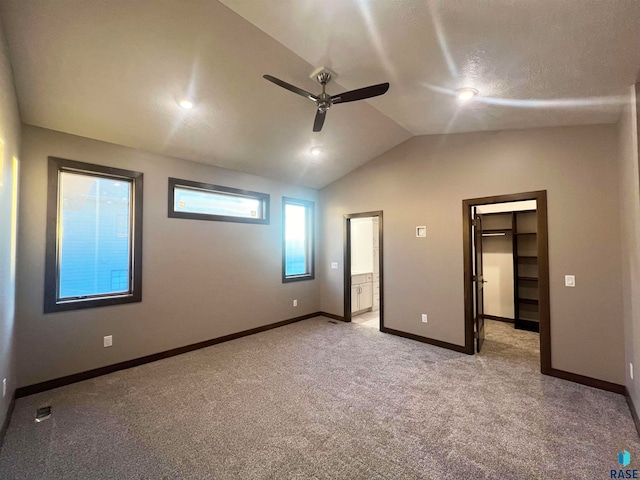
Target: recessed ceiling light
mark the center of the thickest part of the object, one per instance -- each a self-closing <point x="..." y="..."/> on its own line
<point x="466" y="93"/>
<point x="186" y="103"/>
<point x="315" y="151"/>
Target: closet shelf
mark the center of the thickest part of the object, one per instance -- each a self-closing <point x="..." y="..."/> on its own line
<point x="528" y="279"/>
<point x="529" y="301"/>
<point x="505" y="231"/>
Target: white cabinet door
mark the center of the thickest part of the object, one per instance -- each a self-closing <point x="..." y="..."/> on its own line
<point x="355" y="299"/>
<point x="366" y="296"/>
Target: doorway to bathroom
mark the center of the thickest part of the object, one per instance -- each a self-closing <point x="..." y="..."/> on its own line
<point x="363" y="271"/>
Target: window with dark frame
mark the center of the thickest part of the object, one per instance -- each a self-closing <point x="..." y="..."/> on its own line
<point x="203" y="201"/>
<point x="94" y="236"/>
<point x="298" y="243"/>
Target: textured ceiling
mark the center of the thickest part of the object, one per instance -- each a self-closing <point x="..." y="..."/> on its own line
<point x="113" y="69"/>
<point x="536" y="63"/>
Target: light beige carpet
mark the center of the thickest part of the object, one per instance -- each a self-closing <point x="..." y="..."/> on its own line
<point x="318" y="400"/>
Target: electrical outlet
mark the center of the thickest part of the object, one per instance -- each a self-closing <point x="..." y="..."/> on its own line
<point x="4" y="387"/>
<point x="295" y="303"/>
<point x="631" y="370"/>
<point x="108" y="340"/>
<point x="424" y="318"/>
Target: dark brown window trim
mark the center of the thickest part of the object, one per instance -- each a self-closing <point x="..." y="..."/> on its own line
<point x="310" y="206"/>
<point x="176" y="182"/>
<point x="51" y="301"/>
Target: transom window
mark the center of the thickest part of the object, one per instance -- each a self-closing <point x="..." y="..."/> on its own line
<point x="202" y="201"/>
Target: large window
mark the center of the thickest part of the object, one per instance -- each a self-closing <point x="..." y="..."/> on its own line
<point x="202" y="201"/>
<point x="94" y="236"/>
<point x="298" y="255"/>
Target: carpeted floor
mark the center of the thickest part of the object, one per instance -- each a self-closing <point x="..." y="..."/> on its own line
<point x="319" y="400"/>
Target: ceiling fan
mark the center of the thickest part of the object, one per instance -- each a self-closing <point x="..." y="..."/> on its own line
<point x="324" y="101"/>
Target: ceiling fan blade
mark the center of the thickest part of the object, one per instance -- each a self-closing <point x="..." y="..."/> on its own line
<point x="290" y="87"/>
<point x="361" y="93"/>
<point x="319" y="121"/>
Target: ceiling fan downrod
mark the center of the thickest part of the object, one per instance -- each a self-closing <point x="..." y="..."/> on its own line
<point x="324" y="102"/>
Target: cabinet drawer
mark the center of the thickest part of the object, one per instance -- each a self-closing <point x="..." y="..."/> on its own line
<point x="362" y="278"/>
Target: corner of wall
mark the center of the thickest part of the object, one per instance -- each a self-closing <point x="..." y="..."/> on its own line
<point x="629" y="159"/>
<point x="10" y="127"/>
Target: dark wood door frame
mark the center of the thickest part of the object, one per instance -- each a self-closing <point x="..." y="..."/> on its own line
<point x="543" y="269"/>
<point x="347" y="263"/>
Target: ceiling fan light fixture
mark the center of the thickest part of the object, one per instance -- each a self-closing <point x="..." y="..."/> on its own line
<point x="186" y="103"/>
<point x="466" y="93"/>
<point x="315" y="151"/>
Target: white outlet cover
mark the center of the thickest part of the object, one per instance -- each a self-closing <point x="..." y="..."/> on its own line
<point x="631" y="370"/>
<point x="108" y="340"/>
<point x="569" y="280"/>
<point x="334" y="265"/>
<point x="295" y="303"/>
<point x="424" y="318"/>
<point x="4" y="387"/>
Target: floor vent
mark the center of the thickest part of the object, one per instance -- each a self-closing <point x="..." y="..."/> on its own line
<point x="43" y="413"/>
<point x="331" y="321"/>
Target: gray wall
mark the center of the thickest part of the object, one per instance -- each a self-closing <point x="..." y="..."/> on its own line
<point x="630" y="228"/>
<point x="10" y="138"/>
<point x="423" y="182"/>
<point x="201" y="279"/>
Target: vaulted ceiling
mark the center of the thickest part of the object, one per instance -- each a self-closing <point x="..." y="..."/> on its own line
<point x="114" y="71"/>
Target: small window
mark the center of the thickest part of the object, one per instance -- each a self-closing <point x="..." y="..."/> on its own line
<point x="202" y="201"/>
<point x="298" y="254"/>
<point x="94" y="236"/>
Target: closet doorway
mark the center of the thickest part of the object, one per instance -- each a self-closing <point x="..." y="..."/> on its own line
<point x="363" y="271"/>
<point x="506" y="266"/>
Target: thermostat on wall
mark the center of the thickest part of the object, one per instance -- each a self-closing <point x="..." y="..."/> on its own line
<point x="421" y="231"/>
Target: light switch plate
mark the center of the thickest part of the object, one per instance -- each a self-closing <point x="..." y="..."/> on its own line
<point x="421" y="231"/>
<point x="569" y="280"/>
<point x="334" y="265"/>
